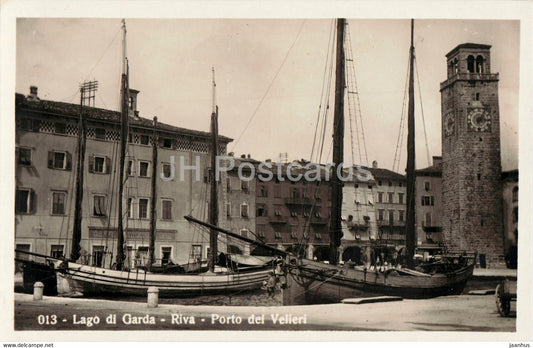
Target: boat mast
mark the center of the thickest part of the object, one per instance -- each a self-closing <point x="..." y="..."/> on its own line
<point x="82" y="139"/>
<point x="123" y="143"/>
<point x="213" y="200"/>
<point x="410" y="218"/>
<point x="338" y="148"/>
<point x="153" y="217"/>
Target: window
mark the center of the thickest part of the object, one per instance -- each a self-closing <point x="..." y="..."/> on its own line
<point x="379" y="183"/>
<point x="261" y="210"/>
<point x="470" y="64"/>
<point x="380" y="197"/>
<point x="130" y="208"/>
<point x="391" y="217"/>
<point x="427" y="185"/>
<point x="228" y="184"/>
<point x="400" y="184"/>
<point x="400" y="198"/>
<point x="370" y="199"/>
<point x="391" y="197"/>
<point x="130" y="138"/>
<point x="23" y="247"/>
<point x="58" y="203"/>
<point x="145" y="140"/>
<point x="28" y="125"/>
<point x="143" y="169"/>
<point x="99" y="133"/>
<point x="428" y="200"/>
<point x="244" y="232"/>
<point x="390" y="183"/>
<point x="166" y="170"/>
<point x="480" y="68"/>
<point x="277" y="235"/>
<point x="99" y="205"/>
<point x="60" y="128"/>
<point x="318" y="236"/>
<point x="370" y="187"/>
<point x="245" y="186"/>
<point x="428" y="219"/>
<point x="263" y="191"/>
<point x="166" y="207"/>
<point x="167" y="143"/>
<point x="277" y="191"/>
<point x="131" y="170"/>
<point x="515" y="215"/>
<point x="23" y="201"/>
<point x="166" y="254"/>
<point x="277" y="210"/>
<point x="356" y="185"/>
<point x="477" y="96"/>
<point x="244" y="209"/>
<point x="515" y="194"/>
<point x="381" y="213"/>
<point x="228" y="209"/>
<point x="59" y="160"/>
<point x="196" y="252"/>
<point x="141" y="258"/>
<point x="98" y="255"/>
<point x="100" y="164"/>
<point x="400" y="215"/>
<point x="143" y="208"/>
<point x="294" y="213"/>
<point x="24" y="156"/>
<point x="56" y="251"/>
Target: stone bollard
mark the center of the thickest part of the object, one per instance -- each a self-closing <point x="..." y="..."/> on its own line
<point x="153" y="297"/>
<point x="38" y="291"/>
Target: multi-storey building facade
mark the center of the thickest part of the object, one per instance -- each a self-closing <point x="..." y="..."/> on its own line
<point x="471" y="163"/>
<point x="373" y="210"/>
<point x="239" y="207"/>
<point x="428" y="195"/>
<point x="293" y="215"/>
<point x="46" y="143"/>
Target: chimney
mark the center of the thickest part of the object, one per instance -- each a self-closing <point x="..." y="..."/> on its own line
<point x="231" y="154"/>
<point x="374" y="164"/>
<point x="243" y="156"/>
<point x="248" y="156"/>
<point x="268" y="160"/>
<point x="132" y="107"/>
<point x="437" y="161"/>
<point x="33" y="94"/>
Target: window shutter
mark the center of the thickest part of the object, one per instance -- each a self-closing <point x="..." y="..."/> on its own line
<point x="51" y="159"/>
<point x="91" y="164"/>
<point x="33" y="202"/>
<point x="107" y="165"/>
<point x="69" y="161"/>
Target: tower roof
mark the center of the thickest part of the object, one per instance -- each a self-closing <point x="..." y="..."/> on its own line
<point x="468" y="45"/>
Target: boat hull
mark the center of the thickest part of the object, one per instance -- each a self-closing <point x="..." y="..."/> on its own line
<point x="311" y="283"/>
<point x="45" y="273"/>
<point x="95" y="281"/>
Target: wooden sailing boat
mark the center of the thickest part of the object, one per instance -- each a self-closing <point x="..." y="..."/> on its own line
<point x="93" y="280"/>
<point x="314" y="282"/>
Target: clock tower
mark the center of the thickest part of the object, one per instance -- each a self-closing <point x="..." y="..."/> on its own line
<point x="471" y="164"/>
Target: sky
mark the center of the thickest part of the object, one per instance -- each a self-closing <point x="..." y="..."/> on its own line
<point x="269" y="75"/>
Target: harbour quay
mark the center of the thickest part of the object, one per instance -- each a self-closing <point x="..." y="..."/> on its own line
<point x="448" y="313"/>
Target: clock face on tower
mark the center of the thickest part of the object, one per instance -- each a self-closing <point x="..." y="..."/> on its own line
<point x="449" y="123"/>
<point x="479" y="120"/>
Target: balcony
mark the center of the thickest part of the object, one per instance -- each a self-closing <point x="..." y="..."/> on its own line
<point x="469" y="77"/>
<point x="319" y="220"/>
<point x="301" y="201"/>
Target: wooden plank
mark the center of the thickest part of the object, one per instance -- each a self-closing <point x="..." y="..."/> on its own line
<point x="363" y="300"/>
